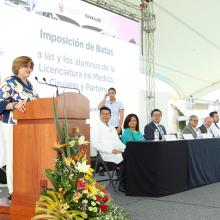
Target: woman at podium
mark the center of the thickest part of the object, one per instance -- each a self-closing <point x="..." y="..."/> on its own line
<point x="16" y="91"/>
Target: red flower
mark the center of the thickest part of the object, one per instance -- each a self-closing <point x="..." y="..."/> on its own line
<point x="81" y="185"/>
<point x="103" y="207"/>
<point x="98" y="198"/>
<point x="105" y="199"/>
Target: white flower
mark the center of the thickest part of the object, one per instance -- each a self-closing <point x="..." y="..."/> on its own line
<point x="82" y="167"/>
<point x="81" y="140"/>
<point x="93" y="203"/>
<point x="84" y="201"/>
<point x="72" y="143"/>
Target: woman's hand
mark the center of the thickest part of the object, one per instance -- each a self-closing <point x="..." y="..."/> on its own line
<point x="20" y="106"/>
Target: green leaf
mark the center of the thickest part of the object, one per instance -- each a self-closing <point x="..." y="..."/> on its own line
<point x="50" y="176"/>
<point x="68" y="152"/>
<point x="60" y="134"/>
<point x="44" y="216"/>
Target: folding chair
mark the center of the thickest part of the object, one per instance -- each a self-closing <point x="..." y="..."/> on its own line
<point x="3" y="175"/>
<point x="111" y="173"/>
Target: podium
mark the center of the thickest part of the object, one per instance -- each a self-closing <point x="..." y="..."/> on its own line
<point x="34" y="136"/>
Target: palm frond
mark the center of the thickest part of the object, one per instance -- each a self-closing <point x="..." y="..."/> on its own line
<point x="59" y="131"/>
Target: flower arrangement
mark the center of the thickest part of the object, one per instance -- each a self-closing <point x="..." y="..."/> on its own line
<point x="75" y="193"/>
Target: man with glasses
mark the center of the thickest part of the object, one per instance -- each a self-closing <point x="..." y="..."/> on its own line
<point x="191" y="127"/>
<point x="150" y="128"/>
<point x="104" y="138"/>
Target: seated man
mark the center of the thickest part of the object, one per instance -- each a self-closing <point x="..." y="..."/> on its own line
<point x="191" y="127"/>
<point x="105" y="139"/>
<point x="206" y="126"/>
<point x="150" y="128"/>
<point x="215" y="127"/>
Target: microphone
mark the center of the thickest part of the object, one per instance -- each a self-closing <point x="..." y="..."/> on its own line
<point x="45" y="83"/>
<point x="36" y="79"/>
<point x="57" y="92"/>
<point x="63" y="87"/>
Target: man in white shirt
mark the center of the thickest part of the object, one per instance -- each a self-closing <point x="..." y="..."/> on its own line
<point x="104" y="138"/>
<point x="215" y="127"/>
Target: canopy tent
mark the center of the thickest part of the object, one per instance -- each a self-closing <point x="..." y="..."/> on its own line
<point x="187" y="45"/>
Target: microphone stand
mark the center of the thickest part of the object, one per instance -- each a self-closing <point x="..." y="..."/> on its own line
<point x="63" y="87"/>
<point x="57" y="91"/>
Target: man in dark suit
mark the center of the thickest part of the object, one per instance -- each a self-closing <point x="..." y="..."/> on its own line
<point x="206" y="126"/>
<point x="150" y="128"/>
<point x="191" y="127"/>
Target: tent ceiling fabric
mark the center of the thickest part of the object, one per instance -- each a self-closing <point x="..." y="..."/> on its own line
<point x="187" y="45"/>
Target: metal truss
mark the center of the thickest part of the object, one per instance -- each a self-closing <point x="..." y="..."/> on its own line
<point x="148" y="26"/>
<point x="121" y="7"/>
<point x="145" y="15"/>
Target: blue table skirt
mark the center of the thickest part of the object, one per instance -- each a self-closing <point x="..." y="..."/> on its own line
<point x="203" y="161"/>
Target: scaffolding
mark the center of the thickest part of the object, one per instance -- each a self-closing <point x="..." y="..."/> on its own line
<point x="145" y="15"/>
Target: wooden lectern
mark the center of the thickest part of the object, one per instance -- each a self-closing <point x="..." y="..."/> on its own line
<point x="34" y="137"/>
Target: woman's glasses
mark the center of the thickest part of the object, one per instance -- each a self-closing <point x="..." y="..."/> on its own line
<point x="30" y="65"/>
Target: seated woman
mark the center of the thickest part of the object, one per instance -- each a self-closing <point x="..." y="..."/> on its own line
<point x="131" y="132"/>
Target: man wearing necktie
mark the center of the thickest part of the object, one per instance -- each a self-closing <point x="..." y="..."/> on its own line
<point x="206" y="126"/>
<point x="215" y="127"/>
<point x="190" y="128"/>
<point x="150" y="128"/>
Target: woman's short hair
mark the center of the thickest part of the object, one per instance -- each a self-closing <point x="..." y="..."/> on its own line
<point x="22" y="61"/>
<point x="128" y="119"/>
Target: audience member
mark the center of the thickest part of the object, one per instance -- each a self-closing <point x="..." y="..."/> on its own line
<point x="117" y="109"/>
<point x="105" y="139"/>
<point x="191" y="127"/>
<point x="206" y="126"/>
<point x="131" y="132"/>
<point x="150" y="128"/>
<point x="215" y="127"/>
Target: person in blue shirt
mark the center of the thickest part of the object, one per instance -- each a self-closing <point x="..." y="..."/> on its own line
<point x="117" y="109"/>
<point x="15" y="91"/>
<point x="131" y="129"/>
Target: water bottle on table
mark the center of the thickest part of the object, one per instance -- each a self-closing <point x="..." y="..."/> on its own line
<point x="179" y="135"/>
<point x="199" y="133"/>
<point x="156" y="135"/>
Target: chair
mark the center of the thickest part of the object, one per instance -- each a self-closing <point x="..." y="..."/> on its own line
<point x="110" y="168"/>
<point x="3" y="175"/>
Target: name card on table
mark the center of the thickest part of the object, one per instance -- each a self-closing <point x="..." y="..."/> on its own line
<point x="188" y="136"/>
<point x="206" y="135"/>
<point x="170" y="137"/>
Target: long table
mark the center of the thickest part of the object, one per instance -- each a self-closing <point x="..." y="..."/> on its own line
<point x="167" y="167"/>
